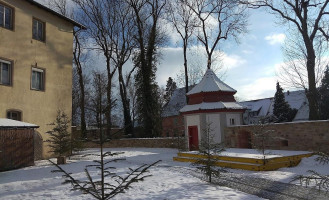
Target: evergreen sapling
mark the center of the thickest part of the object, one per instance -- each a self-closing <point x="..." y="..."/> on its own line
<point x="281" y="109"/>
<point x="60" y="138"/>
<point x="207" y="149"/>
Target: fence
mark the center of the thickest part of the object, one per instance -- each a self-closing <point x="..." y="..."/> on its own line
<point x="16" y="148"/>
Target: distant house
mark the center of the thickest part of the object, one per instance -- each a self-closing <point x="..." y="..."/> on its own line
<point x="172" y="120"/>
<point x="260" y="108"/>
<point x="36" y="45"/>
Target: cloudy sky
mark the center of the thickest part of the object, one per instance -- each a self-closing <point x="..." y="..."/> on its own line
<point x="249" y="67"/>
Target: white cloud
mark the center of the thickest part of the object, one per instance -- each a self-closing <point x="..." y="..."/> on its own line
<point x="259" y="88"/>
<point x="232" y="61"/>
<point x="275" y="38"/>
<point x="171" y="62"/>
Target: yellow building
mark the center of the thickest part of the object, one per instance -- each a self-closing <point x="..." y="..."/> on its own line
<point x="36" y="47"/>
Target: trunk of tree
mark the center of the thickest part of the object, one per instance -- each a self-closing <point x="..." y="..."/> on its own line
<point x="82" y="105"/>
<point x="185" y="68"/>
<point x="311" y="94"/>
<point x="76" y="56"/>
<point x="108" y="98"/>
<point x="125" y="104"/>
<point x="209" y="60"/>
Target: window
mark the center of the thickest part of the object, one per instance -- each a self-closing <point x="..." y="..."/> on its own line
<point x="232" y="121"/>
<point x="6" y="17"/>
<point x="5" y="72"/>
<point x="38" y="30"/>
<point x="38" y="79"/>
<point x="14" y="114"/>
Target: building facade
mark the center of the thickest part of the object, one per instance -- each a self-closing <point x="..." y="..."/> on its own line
<point x="36" y="46"/>
<point x="211" y="105"/>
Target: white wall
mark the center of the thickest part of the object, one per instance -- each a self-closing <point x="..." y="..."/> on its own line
<point x="192" y="120"/>
<point x="214" y="121"/>
<point x="236" y="117"/>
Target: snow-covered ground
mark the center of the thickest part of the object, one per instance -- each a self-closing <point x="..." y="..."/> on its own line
<point x="37" y="182"/>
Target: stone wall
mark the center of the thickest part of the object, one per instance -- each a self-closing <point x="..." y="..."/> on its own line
<point x="172" y="142"/>
<point x="306" y="136"/>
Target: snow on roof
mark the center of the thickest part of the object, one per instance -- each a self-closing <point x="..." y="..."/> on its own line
<point x="212" y="106"/>
<point x="262" y="106"/>
<point x="302" y="113"/>
<point x="296" y="99"/>
<point x="177" y="102"/>
<point x="9" y="123"/>
<point x="210" y="83"/>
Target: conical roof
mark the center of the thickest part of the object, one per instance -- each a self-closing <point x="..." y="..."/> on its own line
<point x="210" y="83"/>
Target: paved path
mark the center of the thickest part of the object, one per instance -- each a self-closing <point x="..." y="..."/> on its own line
<point x="264" y="188"/>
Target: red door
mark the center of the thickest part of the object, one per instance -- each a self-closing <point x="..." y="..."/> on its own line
<point x="193" y="138"/>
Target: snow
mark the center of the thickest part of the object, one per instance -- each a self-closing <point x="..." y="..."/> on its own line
<point x="264" y="107"/>
<point x="254" y="153"/>
<point x="212" y="105"/>
<point x="285" y="175"/>
<point x="177" y="102"/>
<point x="210" y="83"/>
<point x="13" y="123"/>
<point x="37" y="182"/>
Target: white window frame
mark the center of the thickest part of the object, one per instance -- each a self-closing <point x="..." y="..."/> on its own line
<point x="42" y="71"/>
<point x="9" y="73"/>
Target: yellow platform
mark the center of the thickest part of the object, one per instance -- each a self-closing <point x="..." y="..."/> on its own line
<point x="252" y="164"/>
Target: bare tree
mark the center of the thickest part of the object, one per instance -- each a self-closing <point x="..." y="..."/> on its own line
<point x="196" y="72"/>
<point x="184" y="21"/>
<point x="293" y="73"/>
<point x="124" y="43"/>
<point x="218" y="20"/>
<point x="308" y="18"/>
<point x="100" y="23"/>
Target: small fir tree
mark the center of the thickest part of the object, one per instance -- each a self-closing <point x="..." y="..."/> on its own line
<point x="262" y="137"/>
<point x="60" y="138"/>
<point x="324" y="95"/>
<point x="170" y="88"/>
<point x="207" y="149"/>
<point x="281" y="109"/>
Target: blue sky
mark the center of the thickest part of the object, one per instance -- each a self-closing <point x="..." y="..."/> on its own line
<point x="250" y="66"/>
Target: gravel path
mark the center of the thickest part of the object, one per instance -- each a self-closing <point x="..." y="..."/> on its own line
<point x="263" y="188"/>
